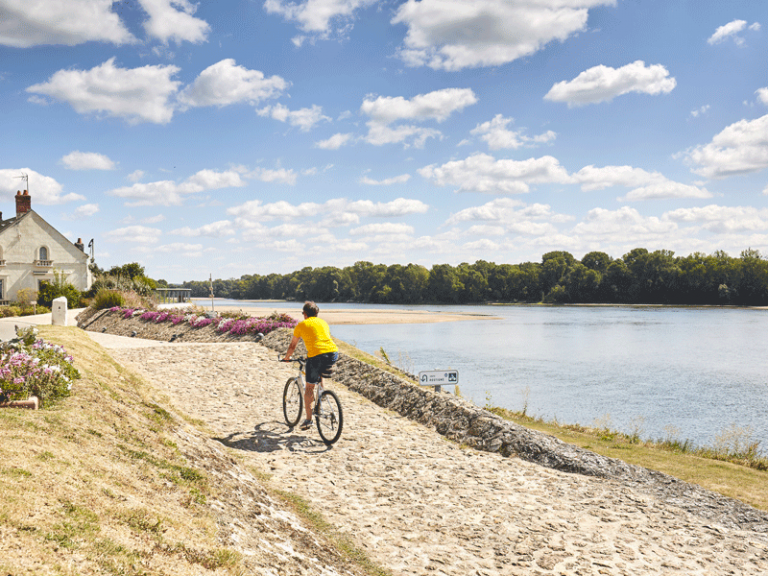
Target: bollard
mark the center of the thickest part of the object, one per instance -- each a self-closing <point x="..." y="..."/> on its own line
<point x="59" y="311"/>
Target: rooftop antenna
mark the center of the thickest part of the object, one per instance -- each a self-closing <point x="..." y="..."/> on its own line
<point x="25" y="177"/>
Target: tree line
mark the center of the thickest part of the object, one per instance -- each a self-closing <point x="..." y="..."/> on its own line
<point x="638" y="277"/>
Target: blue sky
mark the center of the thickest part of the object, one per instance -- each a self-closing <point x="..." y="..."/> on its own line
<point x="239" y="137"/>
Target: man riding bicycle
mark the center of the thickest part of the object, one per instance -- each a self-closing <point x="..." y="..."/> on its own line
<point x="322" y="353"/>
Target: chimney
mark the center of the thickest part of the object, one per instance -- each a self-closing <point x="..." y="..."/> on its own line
<point x="23" y="202"/>
<point x="79" y="244"/>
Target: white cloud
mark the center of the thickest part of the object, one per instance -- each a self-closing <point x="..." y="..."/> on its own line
<point x="279" y="175"/>
<point x="497" y="136"/>
<point x="646" y="185"/>
<point x="731" y="31"/>
<point x="176" y="249"/>
<point x="334" y="142"/>
<point x="397" y="207"/>
<point x="213" y="230"/>
<point x="134" y="235"/>
<point x="722" y="219"/>
<point x="455" y="34"/>
<point x="624" y="222"/>
<point x="437" y="105"/>
<point x="226" y="83"/>
<point x="483" y="173"/>
<point x="402" y="179"/>
<point x="25" y="23"/>
<point x="135" y="176"/>
<point x="383" y="229"/>
<point x="43" y="189"/>
<point x="174" y="20"/>
<point x="762" y="95"/>
<point x="665" y="190"/>
<point x="740" y="148"/>
<point x="138" y="94"/>
<point x="318" y="17"/>
<point x="85" y="211"/>
<point x="87" y="161"/>
<point x="304" y="118"/>
<point x="700" y="111"/>
<point x="603" y="83"/>
<point x="340" y="210"/>
<point x="513" y="216"/>
<point x="153" y="219"/>
<point x="170" y="193"/>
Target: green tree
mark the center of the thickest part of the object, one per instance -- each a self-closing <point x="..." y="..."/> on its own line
<point x="597" y="261"/>
<point x="444" y="284"/>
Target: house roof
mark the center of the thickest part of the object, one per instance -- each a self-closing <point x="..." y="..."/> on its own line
<point x="15" y="220"/>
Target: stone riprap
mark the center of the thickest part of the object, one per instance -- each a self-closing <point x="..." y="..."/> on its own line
<point x="470" y="425"/>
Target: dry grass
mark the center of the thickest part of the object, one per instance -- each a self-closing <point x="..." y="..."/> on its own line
<point x="76" y="480"/>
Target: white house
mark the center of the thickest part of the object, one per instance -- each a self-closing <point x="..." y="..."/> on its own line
<point x="31" y="250"/>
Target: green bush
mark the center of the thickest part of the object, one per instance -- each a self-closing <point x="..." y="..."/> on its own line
<point x="58" y="287"/>
<point x="14" y="310"/>
<point x="107" y="298"/>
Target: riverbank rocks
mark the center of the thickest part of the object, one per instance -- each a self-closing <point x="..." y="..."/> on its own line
<point x="469" y="425"/>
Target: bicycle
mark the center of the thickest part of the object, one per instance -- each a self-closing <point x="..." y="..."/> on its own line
<point x="327" y="411"/>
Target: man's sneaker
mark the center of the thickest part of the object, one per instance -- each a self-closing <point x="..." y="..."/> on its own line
<point x="306" y="425"/>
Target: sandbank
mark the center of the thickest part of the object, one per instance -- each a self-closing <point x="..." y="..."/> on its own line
<point x="360" y="316"/>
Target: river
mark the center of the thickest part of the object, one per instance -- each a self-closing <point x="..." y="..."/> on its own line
<point x="663" y="372"/>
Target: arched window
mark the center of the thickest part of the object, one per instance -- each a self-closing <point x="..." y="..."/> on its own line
<point x="43" y="253"/>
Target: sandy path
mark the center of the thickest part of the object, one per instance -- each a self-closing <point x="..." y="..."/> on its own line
<point x="422" y="505"/>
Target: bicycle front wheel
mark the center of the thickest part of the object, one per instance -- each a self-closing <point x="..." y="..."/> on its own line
<point x="329" y="417"/>
<point x="293" y="402"/>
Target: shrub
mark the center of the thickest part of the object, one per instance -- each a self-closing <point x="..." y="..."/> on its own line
<point x="31" y="367"/>
<point x="106" y="298"/>
<point x="56" y="288"/>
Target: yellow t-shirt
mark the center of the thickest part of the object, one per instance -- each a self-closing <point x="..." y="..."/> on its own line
<point x="316" y="335"/>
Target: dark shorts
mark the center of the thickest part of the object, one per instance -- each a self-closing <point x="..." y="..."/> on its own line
<point x="320" y="366"/>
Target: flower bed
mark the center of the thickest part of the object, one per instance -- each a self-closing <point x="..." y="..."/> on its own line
<point x="235" y="325"/>
<point x="32" y="367"/>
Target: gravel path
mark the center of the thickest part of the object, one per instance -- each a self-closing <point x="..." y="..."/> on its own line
<point x="419" y="504"/>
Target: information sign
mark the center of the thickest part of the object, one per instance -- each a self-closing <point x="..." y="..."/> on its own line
<point x="439" y="377"/>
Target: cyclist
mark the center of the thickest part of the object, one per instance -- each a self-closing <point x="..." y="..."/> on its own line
<point x="322" y="352"/>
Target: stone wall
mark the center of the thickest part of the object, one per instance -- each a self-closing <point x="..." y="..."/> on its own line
<point x="467" y="424"/>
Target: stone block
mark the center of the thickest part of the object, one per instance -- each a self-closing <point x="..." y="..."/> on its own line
<point x="59" y="311"/>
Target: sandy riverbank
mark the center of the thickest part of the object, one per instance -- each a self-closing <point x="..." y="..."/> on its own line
<point x="360" y="316"/>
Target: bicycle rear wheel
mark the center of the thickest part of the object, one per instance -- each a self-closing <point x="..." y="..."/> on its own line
<point x="293" y="402"/>
<point x="329" y="417"/>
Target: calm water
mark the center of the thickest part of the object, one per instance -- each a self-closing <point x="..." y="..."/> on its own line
<point x="636" y="368"/>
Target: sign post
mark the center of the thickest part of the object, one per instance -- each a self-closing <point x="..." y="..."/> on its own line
<point x="438" y="378"/>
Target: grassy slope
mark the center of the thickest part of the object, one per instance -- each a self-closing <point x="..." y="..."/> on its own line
<point x="96" y="485"/>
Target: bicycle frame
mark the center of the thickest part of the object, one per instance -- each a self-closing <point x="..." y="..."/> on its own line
<point x="302" y="376"/>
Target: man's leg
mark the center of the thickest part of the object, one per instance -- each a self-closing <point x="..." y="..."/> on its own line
<point x="309" y="397"/>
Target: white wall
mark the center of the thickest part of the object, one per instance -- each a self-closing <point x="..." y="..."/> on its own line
<point x="20" y="246"/>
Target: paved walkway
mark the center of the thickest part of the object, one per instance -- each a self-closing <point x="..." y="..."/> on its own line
<point x="419" y="504"/>
<point x="8" y="325"/>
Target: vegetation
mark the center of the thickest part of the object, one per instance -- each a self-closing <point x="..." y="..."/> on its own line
<point x="638" y="277"/>
<point x="33" y="367"/>
<point x="57" y="288"/>
<point x="101" y="484"/>
<point x="126" y="278"/>
<point x="735" y="466"/>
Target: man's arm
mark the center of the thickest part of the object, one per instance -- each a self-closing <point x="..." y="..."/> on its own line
<point x="291" y="348"/>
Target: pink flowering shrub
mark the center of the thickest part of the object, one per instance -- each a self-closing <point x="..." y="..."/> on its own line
<point x="30" y="367"/>
<point x="240" y="326"/>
